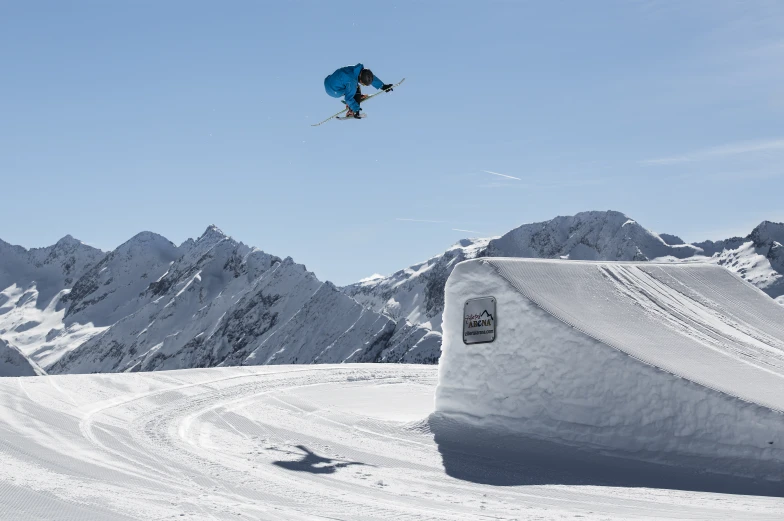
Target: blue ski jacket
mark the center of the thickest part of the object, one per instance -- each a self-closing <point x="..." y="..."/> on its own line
<point x="343" y="82"/>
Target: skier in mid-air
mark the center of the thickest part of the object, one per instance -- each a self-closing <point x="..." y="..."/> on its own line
<point x="345" y="82"/>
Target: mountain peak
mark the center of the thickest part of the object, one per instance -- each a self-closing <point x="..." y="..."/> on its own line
<point x="212" y="232"/>
<point x="211" y="236"/>
<point x="148" y="242"/>
<point x="606" y="214"/>
<point x="145" y="236"/>
<point x="595" y="235"/>
<point x="69" y="240"/>
<point x="69" y="245"/>
<point x="767" y="232"/>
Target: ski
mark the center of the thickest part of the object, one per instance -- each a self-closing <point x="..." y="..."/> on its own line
<point x="361" y="102"/>
<point x="362" y="115"/>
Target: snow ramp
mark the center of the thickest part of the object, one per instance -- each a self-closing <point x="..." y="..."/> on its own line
<point x="674" y="363"/>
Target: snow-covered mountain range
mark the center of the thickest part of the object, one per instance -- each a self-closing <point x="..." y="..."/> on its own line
<point x="213" y="301"/>
<point x="417" y="293"/>
<point x="151" y="305"/>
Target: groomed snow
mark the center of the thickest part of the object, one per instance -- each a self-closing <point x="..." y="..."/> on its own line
<point x="340" y="442"/>
<point x="678" y="364"/>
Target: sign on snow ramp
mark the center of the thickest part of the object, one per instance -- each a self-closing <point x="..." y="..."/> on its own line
<point x="674" y="363"/>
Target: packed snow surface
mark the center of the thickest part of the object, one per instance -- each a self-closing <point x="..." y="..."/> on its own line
<point x="662" y="362"/>
<point x="340" y="442"/>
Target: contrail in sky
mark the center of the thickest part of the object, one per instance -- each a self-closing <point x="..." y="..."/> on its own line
<point x="744" y="147"/>
<point x="502" y="175"/>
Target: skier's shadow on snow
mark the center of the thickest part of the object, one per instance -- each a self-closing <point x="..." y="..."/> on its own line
<point x="315" y="464"/>
<point x="474" y="455"/>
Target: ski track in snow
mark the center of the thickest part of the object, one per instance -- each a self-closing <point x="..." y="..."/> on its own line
<point x="285" y="442"/>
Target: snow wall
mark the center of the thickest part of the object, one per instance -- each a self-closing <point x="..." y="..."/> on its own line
<point x="673" y="363"/>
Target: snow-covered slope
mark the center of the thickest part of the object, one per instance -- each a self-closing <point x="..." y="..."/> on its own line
<point x="675" y="363"/>
<point x="151" y="305"/>
<point x="50" y="269"/>
<point x="758" y="257"/>
<point x="109" y="291"/>
<point x="220" y="302"/>
<point x="32" y="285"/>
<point x="416" y="293"/>
<point x="14" y="363"/>
<point x="310" y="443"/>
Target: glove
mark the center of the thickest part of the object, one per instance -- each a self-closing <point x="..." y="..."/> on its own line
<point x="387" y="87"/>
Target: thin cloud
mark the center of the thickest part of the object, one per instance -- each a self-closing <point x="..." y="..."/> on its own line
<point x="502" y="175"/>
<point x="726" y="175"/>
<point x="466" y="231"/>
<point x="565" y="184"/>
<point x="420" y="220"/>
<point x="744" y="147"/>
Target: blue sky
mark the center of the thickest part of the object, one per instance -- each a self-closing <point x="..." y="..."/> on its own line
<point x="123" y="116"/>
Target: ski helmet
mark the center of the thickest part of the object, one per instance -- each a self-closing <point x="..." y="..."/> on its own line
<point x="366" y="77"/>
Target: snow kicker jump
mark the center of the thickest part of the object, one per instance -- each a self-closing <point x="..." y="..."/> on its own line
<point x="680" y="364"/>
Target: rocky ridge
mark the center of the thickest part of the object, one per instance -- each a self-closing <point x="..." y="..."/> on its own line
<point x="150" y="305"/>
